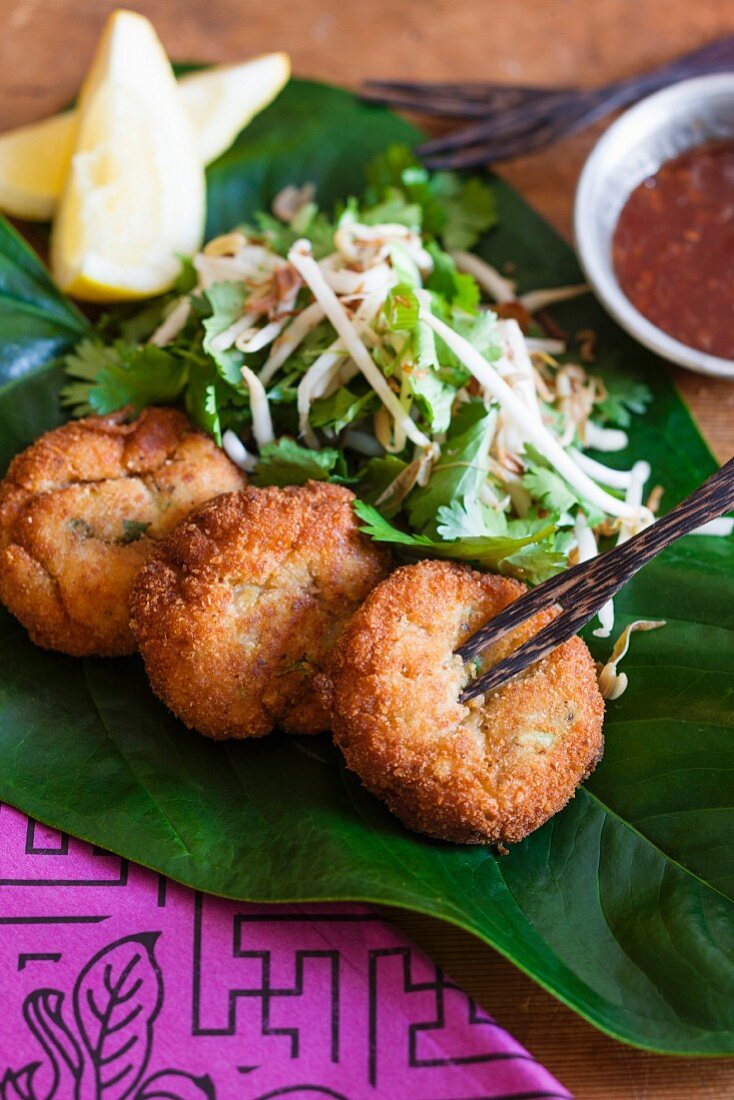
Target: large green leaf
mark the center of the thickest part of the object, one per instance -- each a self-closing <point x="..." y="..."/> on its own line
<point x="320" y="134"/>
<point x="622" y="905"/>
<point x="36" y="324"/>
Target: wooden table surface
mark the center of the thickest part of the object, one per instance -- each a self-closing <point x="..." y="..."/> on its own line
<point x="44" y="48"/>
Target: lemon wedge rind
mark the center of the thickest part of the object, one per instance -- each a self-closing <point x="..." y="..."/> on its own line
<point x="134" y="197"/>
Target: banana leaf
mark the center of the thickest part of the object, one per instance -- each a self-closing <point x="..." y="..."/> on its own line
<point x="623" y="905"/>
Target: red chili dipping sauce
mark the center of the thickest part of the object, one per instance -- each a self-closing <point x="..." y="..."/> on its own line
<point x="673" y="248"/>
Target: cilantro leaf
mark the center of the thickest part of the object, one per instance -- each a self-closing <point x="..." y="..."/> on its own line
<point x="458" y="289"/>
<point x="552" y="492"/>
<point x="471" y="519"/>
<point x="377" y="476"/>
<point x="106" y="378"/>
<point x="287" y="463"/>
<point x="481" y="332"/>
<point x="549" y="488"/>
<point x="499" y="554"/>
<point x="309" y="222"/>
<point x="340" y="408"/>
<point x="461" y="469"/>
<point x="535" y="562"/>
<point x="133" y="529"/>
<point x="386" y="170"/>
<point x="201" y="397"/>
<point x="468" y="207"/>
<point x="317" y="341"/>
<point x="397" y="173"/>
<point x="457" y="211"/>
<point x="395" y="209"/>
<point x="468" y="519"/>
<point x="624" y="396"/>
<point x="227" y="302"/>
<point x="134" y="325"/>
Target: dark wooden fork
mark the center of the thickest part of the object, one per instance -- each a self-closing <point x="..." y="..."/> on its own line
<point x="512" y="121"/>
<point x="582" y="590"/>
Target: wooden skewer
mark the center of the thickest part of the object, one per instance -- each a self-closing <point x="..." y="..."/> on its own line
<point x="583" y="589"/>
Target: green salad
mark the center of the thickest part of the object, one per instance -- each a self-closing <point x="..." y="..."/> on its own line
<point x="373" y="348"/>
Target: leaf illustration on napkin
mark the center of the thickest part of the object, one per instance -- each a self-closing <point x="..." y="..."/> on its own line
<point x="117" y="997"/>
<point x="43" y="1012"/>
<point x="57" y="1073"/>
<point x="102" y="1053"/>
<point x="18" y="1085"/>
<point x="172" y="1084"/>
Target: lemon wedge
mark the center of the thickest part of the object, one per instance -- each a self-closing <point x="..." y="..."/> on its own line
<point x="134" y="197"/>
<point x="221" y="101"/>
<point x="35" y="159"/>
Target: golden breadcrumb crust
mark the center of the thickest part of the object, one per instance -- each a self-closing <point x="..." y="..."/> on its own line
<point x="81" y="511"/>
<point x="489" y="771"/>
<point x="245" y="603"/>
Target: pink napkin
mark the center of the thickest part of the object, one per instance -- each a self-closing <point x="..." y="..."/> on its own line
<point x="116" y="984"/>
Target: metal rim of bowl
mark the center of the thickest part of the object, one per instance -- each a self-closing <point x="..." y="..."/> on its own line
<point x="598" y="268"/>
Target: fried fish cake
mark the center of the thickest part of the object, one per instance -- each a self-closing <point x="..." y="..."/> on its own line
<point x="489" y="771"/>
<point x="81" y="511"/>
<point x="245" y="603"/>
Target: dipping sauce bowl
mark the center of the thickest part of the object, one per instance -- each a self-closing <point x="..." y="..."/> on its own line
<point x="687" y="114"/>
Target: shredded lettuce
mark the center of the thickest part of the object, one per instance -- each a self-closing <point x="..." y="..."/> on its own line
<point x="401" y="308"/>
